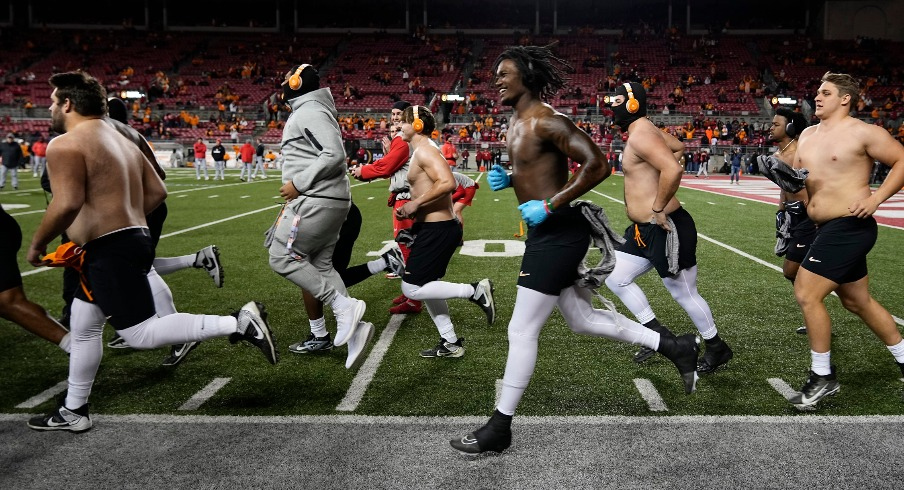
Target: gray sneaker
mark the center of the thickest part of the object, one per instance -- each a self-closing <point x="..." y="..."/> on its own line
<point x="395" y="262"/>
<point x="816" y="388"/>
<point x="208" y="258"/>
<point x="483" y="297"/>
<point x="312" y="344"/>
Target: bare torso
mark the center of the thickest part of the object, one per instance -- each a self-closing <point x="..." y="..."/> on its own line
<point x="110" y="174"/>
<point x="839" y="168"/>
<point x="642" y="179"/>
<point x="428" y="169"/>
<point x="539" y="170"/>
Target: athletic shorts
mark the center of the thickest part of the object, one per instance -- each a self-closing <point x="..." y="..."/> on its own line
<point x="839" y="251"/>
<point x="155" y="222"/>
<point x="553" y="251"/>
<point x="464" y="195"/>
<point x="10" y="243"/>
<point x="115" y="273"/>
<point x="648" y="241"/>
<point x="434" y="245"/>
<point x="803" y="232"/>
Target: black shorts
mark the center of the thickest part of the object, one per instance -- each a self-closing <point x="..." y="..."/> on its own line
<point x="553" y="251"/>
<point x="434" y="244"/>
<point x="652" y="240"/>
<point x="803" y="232"/>
<point x="10" y="243"/>
<point x="115" y="273"/>
<point x="155" y="222"/>
<point x="839" y="251"/>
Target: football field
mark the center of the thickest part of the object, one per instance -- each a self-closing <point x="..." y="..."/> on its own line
<point x="588" y="389"/>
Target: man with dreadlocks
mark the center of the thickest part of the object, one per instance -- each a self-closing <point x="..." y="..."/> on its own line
<point x="663" y="234"/>
<point x="540" y="143"/>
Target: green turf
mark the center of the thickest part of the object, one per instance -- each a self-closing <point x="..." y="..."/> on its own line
<point x="576" y="375"/>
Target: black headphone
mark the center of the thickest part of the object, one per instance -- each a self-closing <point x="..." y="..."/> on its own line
<point x="417" y="124"/>
<point x="295" y="81"/>
<point x="791" y="130"/>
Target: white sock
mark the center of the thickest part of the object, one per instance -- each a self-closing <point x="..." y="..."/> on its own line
<point x="821" y="362"/>
<point x="439" y="312"/>
<point x="318" y="327"/>
<point x="66" y="344"/>
<point x="437" y="290"/>
<point x="168" y="265"/>
<point x="377" y="265"/>
<point x="340" y="302"/>
<point x="897" y="350"/>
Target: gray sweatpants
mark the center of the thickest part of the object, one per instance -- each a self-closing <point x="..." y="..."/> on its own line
<point x="313" y="224"/>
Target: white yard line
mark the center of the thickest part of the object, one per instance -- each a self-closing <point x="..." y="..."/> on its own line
<point x="205" y="394"/>
<point x="369" y="369"/>
<point x="782" y="388"/>
<point x="650" y="395"/>
<point x="44" y="395"/>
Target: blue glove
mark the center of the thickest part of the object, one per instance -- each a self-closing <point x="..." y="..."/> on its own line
<point x="498" y="178"/>
<point x="533" y="212"/>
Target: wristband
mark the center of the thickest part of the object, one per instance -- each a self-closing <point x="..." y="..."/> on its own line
<point x="547" y="204"/>
<point x="657" y="212"/>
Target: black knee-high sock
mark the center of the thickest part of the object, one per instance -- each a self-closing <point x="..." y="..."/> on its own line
<point x="658" y="327"/>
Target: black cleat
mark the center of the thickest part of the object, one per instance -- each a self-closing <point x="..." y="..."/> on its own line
<point x="816" y="388"/>
<point x="683" y="352"/>
<point x="62" y="418"/>
<point x="483" y="297"/>
<point x="178" y="353"/>
<point x="643" y="354"/>
<point x="715" y="357"/>
<point x="495" y="436"/>
<point x="254" y="329"/>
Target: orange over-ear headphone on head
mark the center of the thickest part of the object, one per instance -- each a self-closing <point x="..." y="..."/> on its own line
<point x="631" y="104"/>
<point x="417" y="124"/>
<point x="295" y="80"/>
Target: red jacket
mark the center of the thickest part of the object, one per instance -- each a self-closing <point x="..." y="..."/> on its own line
<point x="39" y="149"/>
<point x="247" y="153"/>
<point x="390" y="163"/>
<point x="200" y="150"/>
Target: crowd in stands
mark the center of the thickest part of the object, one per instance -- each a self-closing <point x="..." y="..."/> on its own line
<point x="226" y="86"/>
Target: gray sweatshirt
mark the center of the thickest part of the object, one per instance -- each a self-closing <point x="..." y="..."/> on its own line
<point x="313" y="149"/>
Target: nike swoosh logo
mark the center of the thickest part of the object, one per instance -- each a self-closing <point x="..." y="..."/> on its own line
<point x="811" y="259"/>
<point x="258" y="333"/>
<point x="523" y="274"/>
<point x="800" y="245"/>
<point x="468" y="440"/>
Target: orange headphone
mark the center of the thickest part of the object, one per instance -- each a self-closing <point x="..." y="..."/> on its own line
<point x="417" y="124"/>
<point x="631" y="104"/>
<point x="295" y="80"/>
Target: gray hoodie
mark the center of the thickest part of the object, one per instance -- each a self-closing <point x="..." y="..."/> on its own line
<point x="313" y="149"/>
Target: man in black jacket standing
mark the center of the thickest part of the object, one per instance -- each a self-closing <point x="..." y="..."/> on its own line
<point x="219" y="161"/>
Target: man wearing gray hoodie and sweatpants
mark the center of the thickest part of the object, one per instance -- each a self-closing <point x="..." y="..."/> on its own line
<point x="318" y="197"/>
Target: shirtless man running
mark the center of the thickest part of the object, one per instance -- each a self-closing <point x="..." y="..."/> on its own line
<point x="540" y="143"/>
<point x="839" y="153"/>
<point x="104" y="187"/>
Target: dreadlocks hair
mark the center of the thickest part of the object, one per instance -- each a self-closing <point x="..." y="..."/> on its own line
<point x="541" y="71"/>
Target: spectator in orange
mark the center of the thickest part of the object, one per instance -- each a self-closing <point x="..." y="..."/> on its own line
<point x="450" y="153"/>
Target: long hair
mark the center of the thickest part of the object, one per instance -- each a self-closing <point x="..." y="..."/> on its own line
<point x="541" y="71"/>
